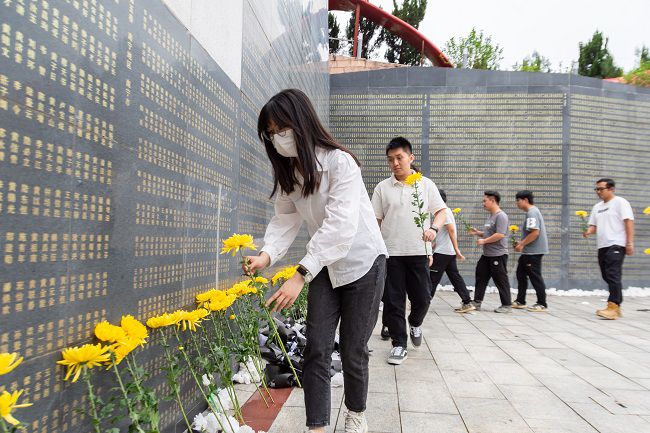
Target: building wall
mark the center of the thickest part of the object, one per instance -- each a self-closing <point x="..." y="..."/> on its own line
<point x="128" y="150"/>
<point x="554" y="134"/>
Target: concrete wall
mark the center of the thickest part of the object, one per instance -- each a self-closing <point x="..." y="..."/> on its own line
<point x="127" y="152"/>
<point x="555" y="134"/>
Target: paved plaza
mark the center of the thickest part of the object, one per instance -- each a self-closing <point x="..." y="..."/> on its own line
<point x="563" y="371"/>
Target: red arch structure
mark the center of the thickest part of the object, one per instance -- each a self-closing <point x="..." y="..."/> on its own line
<point x="394" y="25"/>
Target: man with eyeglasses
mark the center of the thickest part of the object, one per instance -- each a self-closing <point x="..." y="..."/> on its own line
<point x="612" y="220"/>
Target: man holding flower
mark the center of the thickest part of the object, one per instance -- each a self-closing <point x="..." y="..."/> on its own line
<point x="612" y="220"/>
<point x="532" y="246"/>
<point x="494" y="261"/>
<point x="398" y="201"/>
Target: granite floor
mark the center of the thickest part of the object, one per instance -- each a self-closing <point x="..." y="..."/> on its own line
<point x="562" y="371"/>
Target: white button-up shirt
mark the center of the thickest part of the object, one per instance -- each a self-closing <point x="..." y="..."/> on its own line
<point x="392" y="204"/>
<point x="344" y="234"/>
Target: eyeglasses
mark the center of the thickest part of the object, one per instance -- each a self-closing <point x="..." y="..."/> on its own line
<point x="268" y="135"/>
<point x="601" y="188"/>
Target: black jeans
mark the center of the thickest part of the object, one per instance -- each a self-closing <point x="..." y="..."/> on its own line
<point x="530" y="266"/>
<point x="356" y="305"/>
<point x="610" y="260"/>
<point x="446" y="263"/>
<point x="497" y="269"/>
<point x="405" y="275"/>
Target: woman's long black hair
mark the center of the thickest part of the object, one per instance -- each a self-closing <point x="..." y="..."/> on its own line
<point x="291" y="108"/>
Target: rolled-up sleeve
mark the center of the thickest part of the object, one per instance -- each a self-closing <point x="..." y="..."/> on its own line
<point x="283" y="228"/>
<point x="333" y="240"/>
<point x="377" y="204"/>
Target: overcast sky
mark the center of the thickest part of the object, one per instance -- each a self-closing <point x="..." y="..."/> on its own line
<point x="552" y="27"/>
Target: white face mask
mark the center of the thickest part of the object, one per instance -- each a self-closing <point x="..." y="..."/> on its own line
<point x="285" y="144"/>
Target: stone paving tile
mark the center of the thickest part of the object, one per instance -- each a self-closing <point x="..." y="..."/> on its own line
<point x="563" y="371"/>
<point x="428" y="423"/>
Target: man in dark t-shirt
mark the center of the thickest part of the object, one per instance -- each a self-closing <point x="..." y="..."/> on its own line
<point x="494" y="261"/>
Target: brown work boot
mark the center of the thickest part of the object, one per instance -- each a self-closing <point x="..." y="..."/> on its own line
<point x="612" y="312"/>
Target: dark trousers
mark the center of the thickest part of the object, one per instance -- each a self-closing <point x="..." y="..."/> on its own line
<point x="405" y="275"/>
<point x="356" y="305"/>
<point x="610" y="260"/>
<point x="530" y="267"/>
<point x="497" y="269"/>
<point x="447" y="263"/>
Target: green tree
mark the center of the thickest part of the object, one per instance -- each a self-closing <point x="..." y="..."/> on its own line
<point x="595" y="59"/>
<point x="398" y="51"/>
<point x="371" y="40"/>
<point x="644" y="55"/>
<point x="534" y="63"/>
<point x="476" y="51"/>
<point x="334" y="32"/>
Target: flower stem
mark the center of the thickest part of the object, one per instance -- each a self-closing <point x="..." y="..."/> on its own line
<point x="281" y="344"/>
<point x="200" y="386"/>
<point x="258" y="388"/>
<point x="129" y="406"/>
<point x="91" y="399"/>
<point x="175" y="388"/>
<point x="5" y="429"/>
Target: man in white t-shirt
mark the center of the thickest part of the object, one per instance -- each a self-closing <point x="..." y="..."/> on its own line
<point x="407" y="268"/>
<point x="612" y="220"/>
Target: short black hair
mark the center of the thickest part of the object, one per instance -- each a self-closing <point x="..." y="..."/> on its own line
<point x="525" y="194"/>
<point x="399" y="143"/>
<point x="610" y="182"/>
<point x="494" y="194"/>
<point x="443" y="194"/>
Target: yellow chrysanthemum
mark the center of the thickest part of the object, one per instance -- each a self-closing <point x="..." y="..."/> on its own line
<point x="456" y="211"/>
<point x="191" y="319"/>
<point x="261" y="280"/>
<point x="8" y="362"/>
<point x="514" y="228"/>
<point x="582" y="213"/>
<point x="646" y="211"/>
<point x="232" y="317"/>
<point x="647" y="251"/>
<point x="238" y="289"/>
<point x="206" y="296"/>
<point x="162" y="321"/>
<point x="134" y="329"/>
<point x="123" y="348"/>
<point x="285" y="274"/>
<point x="104" y="331"/>
<point x="8" y="403"/>
<point x="411" y="179"/>
<point x="86" y="356"/>
<point x="222" y="304"/>
<point x="236" y="242"/>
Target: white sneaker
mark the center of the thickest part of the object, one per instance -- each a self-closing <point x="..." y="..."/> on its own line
<point x="355" y="422"/>
<point x="397" y="355"/>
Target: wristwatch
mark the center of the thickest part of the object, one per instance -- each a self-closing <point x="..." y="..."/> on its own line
<point x="305" y="274"/>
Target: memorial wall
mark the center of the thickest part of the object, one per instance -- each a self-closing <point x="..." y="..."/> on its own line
<point x="128" y="150"/>
<point x="554" y="134"/>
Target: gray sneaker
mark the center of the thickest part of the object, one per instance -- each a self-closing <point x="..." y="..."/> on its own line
<point x="416" y="336"/>
<point x="355" y="422"/>
<point x="537" y="308"/>
<point x="477" y="305"/>
<point x="503" y="309"/>
<point x="465" y="308"/>
<point x="397" y="355"/>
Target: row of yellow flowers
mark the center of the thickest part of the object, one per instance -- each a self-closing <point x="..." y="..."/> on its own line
<point x="9" y="400"/>
<point x="204" y="350"/>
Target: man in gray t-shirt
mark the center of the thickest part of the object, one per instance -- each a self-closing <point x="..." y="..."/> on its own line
<point x="532" y="246"/>
<point x="494" y="261"/>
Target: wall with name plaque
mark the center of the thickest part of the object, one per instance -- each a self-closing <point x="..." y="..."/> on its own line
<point x="554" y="134"/>
<point x="126" y="155"/>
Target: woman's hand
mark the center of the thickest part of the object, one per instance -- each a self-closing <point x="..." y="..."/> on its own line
<point x="288" y="293"/>
<point x="255" y="263"/>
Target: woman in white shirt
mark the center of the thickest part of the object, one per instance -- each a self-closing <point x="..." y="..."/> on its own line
<point x="318" y="181"/>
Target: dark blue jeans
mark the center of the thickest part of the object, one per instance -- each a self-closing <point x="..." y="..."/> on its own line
<point x="356" y="305"/>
